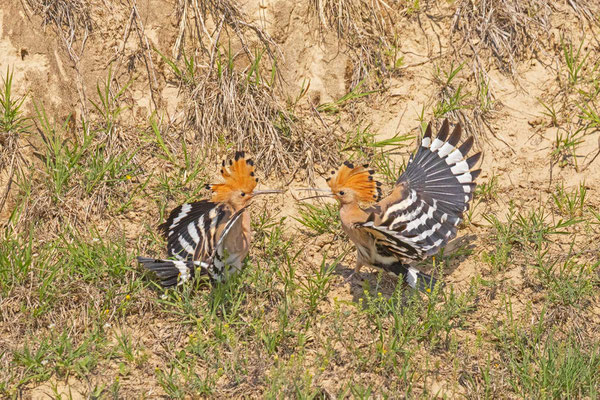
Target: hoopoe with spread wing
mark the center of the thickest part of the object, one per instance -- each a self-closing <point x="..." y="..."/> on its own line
<point x="210" y="237"/>
<point x="421" y="214"/>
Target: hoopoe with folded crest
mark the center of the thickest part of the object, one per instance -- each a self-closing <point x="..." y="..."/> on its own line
<point x="210" y="237"/>
<point x="421" y="214"/>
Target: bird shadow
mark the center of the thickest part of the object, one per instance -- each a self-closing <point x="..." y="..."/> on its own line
<point x="377" y="283"/>
<point x="368" y="281"/>
<point x="450" y="257"/>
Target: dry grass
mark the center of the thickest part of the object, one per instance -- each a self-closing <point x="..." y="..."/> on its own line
<point x="507" y="30"/>
<point x="232" y="85"/>
<point x="235" y="111"/>
<point x="71" y="18"/>
<point x="518" y="317"/>
<point x="367" y="29"/>
<point x="72" y="22"/>
<point x="202" y="23"/>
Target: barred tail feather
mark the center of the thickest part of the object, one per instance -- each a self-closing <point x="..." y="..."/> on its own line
<point x="440" y="186"/>
<point x="415" y="278"/>
<point x="439" y="162"/>
<point x="170" y="272"/>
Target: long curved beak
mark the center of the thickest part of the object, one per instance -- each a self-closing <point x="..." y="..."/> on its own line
<point x="266" y="191"/>
<point x="316" y="190"/>
<point x="319" y="196"/>
<point x="326" y="193"/>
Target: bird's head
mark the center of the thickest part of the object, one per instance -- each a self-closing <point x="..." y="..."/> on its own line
<point x="352" y="184"/>
<point x="240" y="181"/>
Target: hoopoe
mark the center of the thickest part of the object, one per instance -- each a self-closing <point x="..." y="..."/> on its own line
<point x="420" y="215"/>
<point x="210" y="237"/>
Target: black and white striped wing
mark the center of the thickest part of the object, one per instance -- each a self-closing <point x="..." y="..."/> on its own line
<point x="390" y="244"/>
<point x="193" y="239"/>
<point x="391" y="251"/>
<point x="438" y="185"/>
<point x="172" y="272"/>
<point x="191" y="230"/>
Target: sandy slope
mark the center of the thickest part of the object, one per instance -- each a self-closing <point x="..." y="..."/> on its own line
<point x="517" y="147"/>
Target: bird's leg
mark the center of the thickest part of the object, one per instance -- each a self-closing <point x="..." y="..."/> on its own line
<point x="359" y="265"/>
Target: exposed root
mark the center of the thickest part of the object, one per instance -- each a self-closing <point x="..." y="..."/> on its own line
<point x="201" y="24"/>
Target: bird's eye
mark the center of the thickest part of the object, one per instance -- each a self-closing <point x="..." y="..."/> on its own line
<point x="342" y="193"/>
<point x="243" y="194"/>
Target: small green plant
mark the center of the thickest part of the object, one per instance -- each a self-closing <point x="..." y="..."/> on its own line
<point x="61" y="157"/>
<point x="568" y="281"/>
<point x="412" y="6"/>
<point x="188" y="171"/>
<point x="504" y="236"/>
<point x="254" y="75"/>
<point x="590" y="113"/>
<point x="12" y="121"/>
<point x="362" y="144"/>
<point x="487" y="191"/>
<point x="550" y="112"/>
<point x="61" y="354"/>
<point x="534" y="229"/>
<point x="486" y="101"/>
<point x="392" y="53"/>
<point x="93" y="258"/>
<point x="303" y="91"/>
<point x="319" y="219"/>
<point x="574" y="61"/>
<point x="187" y="73"/>
<point x="565" y="146"/>
<point x="102" y="169"/>
<point x="448" y="76"/>
<point x="453" y="102"/>
<point x="452" y="96"/>
<point x="317" y="285"/>
<point x="542" y="366"/>
<point x="354" y="94"/>
<point x="571" y="203"/>
<point x="13" y="125"/>
<point x="108" y="105"/>
<point x="169" y="381"/>
<point x="16" y="261"/>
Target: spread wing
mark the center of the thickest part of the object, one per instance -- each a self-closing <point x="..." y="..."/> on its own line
<point x="391" y="243"/>
<point x="197" y="231"/>
<point x="391" y="249"/>
<point x="423" y="213"/>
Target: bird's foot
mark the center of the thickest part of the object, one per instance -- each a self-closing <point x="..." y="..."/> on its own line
<point x="348" y="280"/>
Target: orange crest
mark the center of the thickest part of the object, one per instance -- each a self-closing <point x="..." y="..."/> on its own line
<point x="359" y="179"/>
<point x="239" y="175"/>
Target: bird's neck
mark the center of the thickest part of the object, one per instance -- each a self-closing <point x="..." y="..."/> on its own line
<point x="244" y="226"/>
<point x="246" y="230"/>
<point x="351" y="213"/>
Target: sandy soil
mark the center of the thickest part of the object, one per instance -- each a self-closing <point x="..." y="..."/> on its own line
<point x="518" y="138"/>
